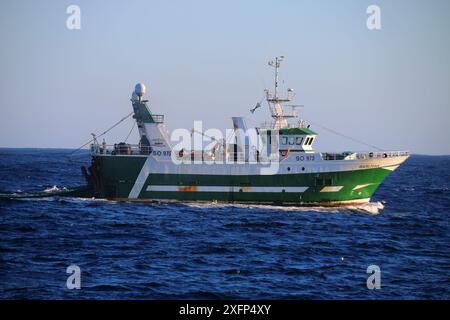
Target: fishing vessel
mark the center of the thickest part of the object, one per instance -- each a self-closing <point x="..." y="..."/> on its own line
<point x="281" y="167"/>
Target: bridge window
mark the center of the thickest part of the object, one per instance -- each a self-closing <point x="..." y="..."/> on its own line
<point x="299" y="140"/>
<point x="291" y="140"/>
<point x="284" y="140"/>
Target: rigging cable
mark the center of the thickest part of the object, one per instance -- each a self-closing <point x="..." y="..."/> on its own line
<point x="330" y="130"/>
<point x="129" y="133"/>
<point x="345" y="136"/>
<point x="103" y="133"/>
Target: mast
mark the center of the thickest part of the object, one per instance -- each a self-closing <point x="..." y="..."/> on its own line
<point x="275" y="102"/>
<point x="277" y="65"/>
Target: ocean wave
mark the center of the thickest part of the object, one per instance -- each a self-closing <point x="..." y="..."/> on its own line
<point x="55" y="189"/>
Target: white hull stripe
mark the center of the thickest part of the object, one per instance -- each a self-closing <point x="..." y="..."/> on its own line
<point x="331" y="189"/>
<point x="140" y="181"/>
<point x="224" y="189"/>
<point x="360" y="186"/>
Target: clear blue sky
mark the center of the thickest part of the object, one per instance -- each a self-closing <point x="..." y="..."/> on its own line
<point x="207" y="60"/>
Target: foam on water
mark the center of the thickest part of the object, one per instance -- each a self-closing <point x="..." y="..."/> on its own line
<point x="55" y="189"/>
<point x="368" y="208"/>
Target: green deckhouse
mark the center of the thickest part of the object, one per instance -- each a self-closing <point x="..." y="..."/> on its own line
<point x="273" y="163"/>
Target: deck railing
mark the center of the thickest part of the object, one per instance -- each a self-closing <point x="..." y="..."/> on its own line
<point x="184" y="156"/>
<point x="240" y="157"/>
<point x="220" y="157"/>
<point x="272" y="125"/>
<point x="120" y="149"/>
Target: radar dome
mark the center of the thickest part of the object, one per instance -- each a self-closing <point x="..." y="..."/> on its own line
<point x="139" y="89"/>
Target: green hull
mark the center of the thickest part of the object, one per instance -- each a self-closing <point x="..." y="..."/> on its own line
<point x="116" y="176"/>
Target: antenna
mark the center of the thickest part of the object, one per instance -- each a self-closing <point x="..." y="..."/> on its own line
<point x="276" y="64"/>
<point x="275" y="101"/>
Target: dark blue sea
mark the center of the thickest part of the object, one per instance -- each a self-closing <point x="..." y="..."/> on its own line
<point x="215" y="251"/>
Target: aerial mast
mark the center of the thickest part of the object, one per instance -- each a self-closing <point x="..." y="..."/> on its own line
<point x="275" y="101"/>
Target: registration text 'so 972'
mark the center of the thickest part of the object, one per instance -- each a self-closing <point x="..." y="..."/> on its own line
<point x="304" y="158"/>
